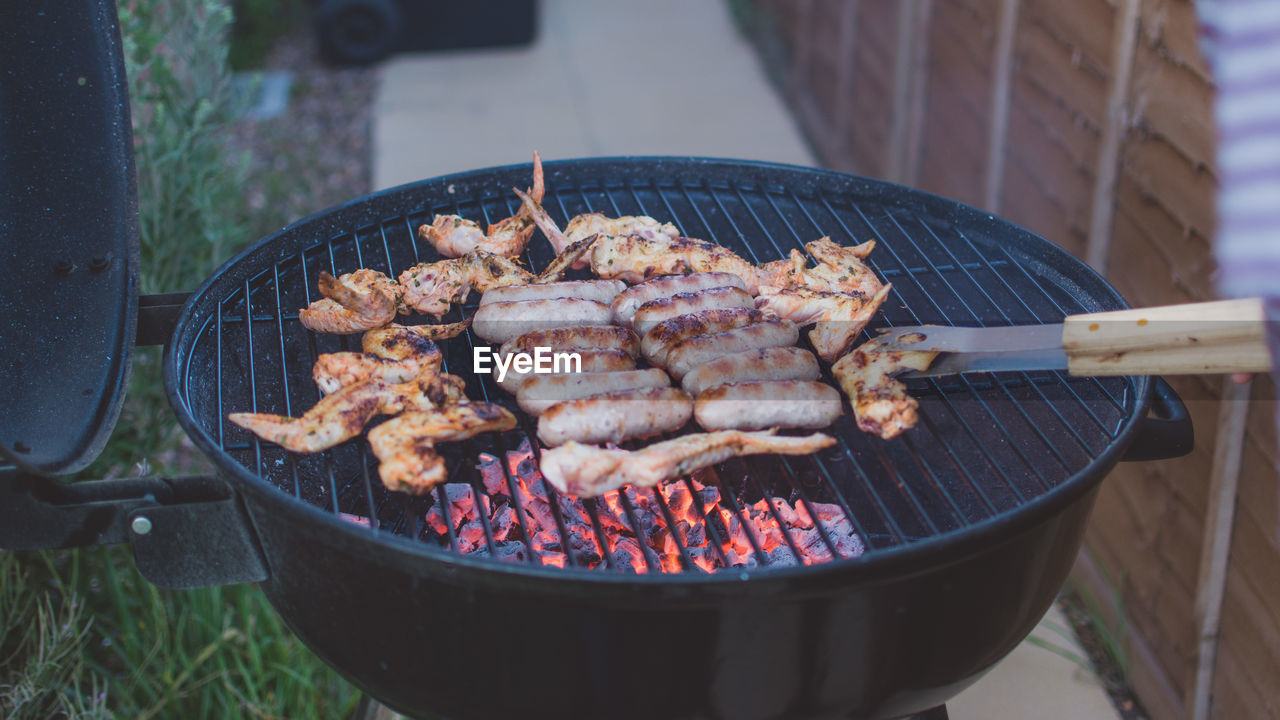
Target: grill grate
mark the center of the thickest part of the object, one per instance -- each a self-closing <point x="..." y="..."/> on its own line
<point x="985" y="445"/>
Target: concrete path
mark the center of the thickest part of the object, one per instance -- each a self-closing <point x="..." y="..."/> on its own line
<point x="605" y="77"/>
<point x="651" y="77"/>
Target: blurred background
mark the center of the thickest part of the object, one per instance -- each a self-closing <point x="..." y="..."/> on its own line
<point x="1088" y="122"/>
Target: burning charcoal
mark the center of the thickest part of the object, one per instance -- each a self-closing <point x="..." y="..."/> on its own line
<point x="462" y="499"/>
<point x="628" y="555"/>
<point x="849" y="546"/>
<point x="785" y="512"/>
<point x="678" y="499"/>
<point x="828" y="512"/>
<point x="773" y="536"/>
<point x="671" y="564"/>
<point x="782" y="556"/>
<point x="357" y="519"/>
<point x="435" y="520"/>
<point x="552" y="558"/>
<point x="738" y="536"/>
<point x="840" y="528"/>
<point x="538" y="512"/>
<point x="471" y="536"/>
<point x="495" y="481"/>
<point x="513" y="550"/>
<point x="709" y="497"/>
<point x="573" y="511"/>
<point x="584" y="545"/>
<point x="695" y="535"/>
<point x="804" y="520"/>
<point x="504" y="525"/>
<point x="811" y="545"/>
<point x="611" y="514"/>
<point x="546" y="541"/>
<point x="742" y="560"/>
<point x="704" y="558"/>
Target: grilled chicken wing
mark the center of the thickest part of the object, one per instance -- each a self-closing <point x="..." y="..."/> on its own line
<point x="355" y="302"/>
<point x="405" y="446"/>
<point x="342" y="415"/>
<point x="586" y="470"/>
<point x="430" y="288"/>
<point x="454" y="236"/>
<point x="637" y="257"/>
<point x="839" y="316"/>
<point x="880" y="403"/>
<point x="397" y="342"/>
<point x="839" y="269"/>
<point x="394" y="354"/>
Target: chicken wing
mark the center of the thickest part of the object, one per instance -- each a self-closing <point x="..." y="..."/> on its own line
<point x="840" y="316"/>
<point x="405" y="446"/>
<point x="587" y="470"/>
<point x="454" y="236"/>
<point x="638" y="257"/>
<point x="431" y="288"/>
<point x="880" y="403"/>
<point x="342" y="415"/>
<point x="355" y="302"/>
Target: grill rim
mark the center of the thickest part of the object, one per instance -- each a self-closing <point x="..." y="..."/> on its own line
<point x="944" y="548"/>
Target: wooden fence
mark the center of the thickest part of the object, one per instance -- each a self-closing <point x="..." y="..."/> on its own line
<point x="1089" y="122"/>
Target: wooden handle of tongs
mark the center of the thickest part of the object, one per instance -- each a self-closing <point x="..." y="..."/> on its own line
<point x="1200" y="338"/>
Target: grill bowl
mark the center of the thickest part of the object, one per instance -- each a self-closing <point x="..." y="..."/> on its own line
<point x="972" y="520"/>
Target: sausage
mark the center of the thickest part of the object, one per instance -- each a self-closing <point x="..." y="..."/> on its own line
<point x="592" y="361"/>
<point x="655" y="311"/>
<point x="578" y="337"/>
<point x="661" y="337"/>
<point x="692" y="352"/>
<point x="627" y="301"/>
<point x="772" y="363"/>
<point x="760" y="404"/>
<point x="614" y="417"/>
<point x="501" y="321"/>
<point x="599" y="290"/>
<point x="542" y="391"/>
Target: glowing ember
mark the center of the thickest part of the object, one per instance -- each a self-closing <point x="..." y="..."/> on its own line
<point x="671" y="528"/>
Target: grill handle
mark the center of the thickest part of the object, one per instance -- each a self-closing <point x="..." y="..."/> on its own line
<point x="1166" y="432"/>
<point x="186" y="532"/>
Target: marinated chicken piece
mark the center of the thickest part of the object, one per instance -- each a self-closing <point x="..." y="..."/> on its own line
<point x="839" y="269"/>
<point x="571" y="257"/>
<point x="338" y="370"/>
<point x="405" y="446"/>
<point x="588" y="224"/>
<point x="588" y="471"/>
<point x="453" y="236"/>
<point x="397" y="342"/>
<point x="636" y="258"/>
<point x="431" y="288"/>
<point x="342" y="415"/>
<point x="840" y="317"/>
<point x="355" y="302"/>
<point x="881" y="404"/>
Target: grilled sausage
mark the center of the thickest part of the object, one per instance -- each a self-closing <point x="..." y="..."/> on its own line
<point x="662" y="337"/>
<point x="592" y="361"/>
<point x="655" y="311"/>
<point x="542" y="391"/>
<point x="578" y="337"/>
<point x="761" y="404"/>
<point x="627" y="301"/>
<point x="692" y="352"/>
<point x="772" y="363"/>
<point x="501" y="321"/>
<point x="599" y="290"/>
<point x="614" y="417"/>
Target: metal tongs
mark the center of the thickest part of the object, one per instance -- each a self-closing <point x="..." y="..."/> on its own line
<point x="1225" y="336"/>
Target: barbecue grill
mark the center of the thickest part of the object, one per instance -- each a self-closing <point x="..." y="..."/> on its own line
<point x="924" y="559"/>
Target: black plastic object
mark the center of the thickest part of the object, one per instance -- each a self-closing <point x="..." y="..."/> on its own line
<point x="1166" y="432"/>
<point x="358" y="32"/>
<point x="68" y="231"/>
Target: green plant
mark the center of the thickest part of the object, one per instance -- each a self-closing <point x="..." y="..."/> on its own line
<point x="82" y="634"/>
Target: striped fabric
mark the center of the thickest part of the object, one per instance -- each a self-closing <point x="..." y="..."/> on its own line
<point x="1241" y="40"/>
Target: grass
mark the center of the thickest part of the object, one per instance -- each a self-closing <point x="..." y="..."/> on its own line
<point x="82" y="634"/>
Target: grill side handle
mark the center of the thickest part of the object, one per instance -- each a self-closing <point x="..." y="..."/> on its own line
<point x="186" y="532"/>
<point x="1166" y="432"/>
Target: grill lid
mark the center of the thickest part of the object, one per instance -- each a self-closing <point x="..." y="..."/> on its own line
<point x="68" y="232"/>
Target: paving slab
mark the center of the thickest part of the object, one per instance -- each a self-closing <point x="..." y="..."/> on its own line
<point x="604" y="77"/>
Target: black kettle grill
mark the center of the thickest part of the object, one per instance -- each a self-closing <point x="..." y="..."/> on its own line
<point x="970" y="522"/>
